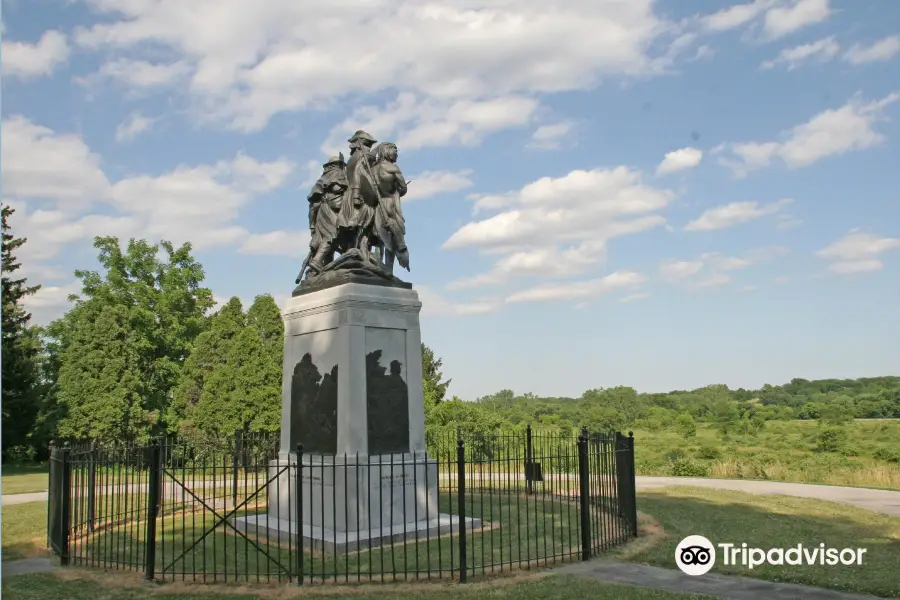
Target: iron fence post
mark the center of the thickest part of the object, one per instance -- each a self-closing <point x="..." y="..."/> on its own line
<point x="529" y="461"/>
<point x="584" y="496"/>
<point x="461" y="501"/>
<point x="92" y="487"/>
<point x="298" y="515"/>
<point x="49" y="494"/>
<point x="66" y="505"/>
<point x="234" y="468"/>
<point x="153" y="501"/>
<point x="632" y="485"/>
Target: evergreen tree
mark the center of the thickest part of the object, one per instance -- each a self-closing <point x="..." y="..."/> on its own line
<point x="20" y="348"/>
<point x="433" y="389"/>
<point x="232" y="380"/>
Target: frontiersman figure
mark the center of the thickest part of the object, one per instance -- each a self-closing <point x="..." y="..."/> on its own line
<point x="357" y="215"/>
<point x="324" y="210"/>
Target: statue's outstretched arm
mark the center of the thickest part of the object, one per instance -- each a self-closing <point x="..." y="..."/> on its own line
<point x="401" y="182"/>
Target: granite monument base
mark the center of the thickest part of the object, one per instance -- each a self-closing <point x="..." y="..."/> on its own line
<point x="347" y="505"/>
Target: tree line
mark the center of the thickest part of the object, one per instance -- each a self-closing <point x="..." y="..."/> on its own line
<point x="141" y="353"/>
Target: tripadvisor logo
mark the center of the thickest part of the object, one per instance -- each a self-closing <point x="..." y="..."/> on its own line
<point x="696" y="555"/>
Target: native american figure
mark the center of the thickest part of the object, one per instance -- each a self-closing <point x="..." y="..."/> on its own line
<point x="390" y="226"/>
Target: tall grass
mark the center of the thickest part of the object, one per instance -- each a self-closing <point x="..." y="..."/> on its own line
<point x="783" y="451"/>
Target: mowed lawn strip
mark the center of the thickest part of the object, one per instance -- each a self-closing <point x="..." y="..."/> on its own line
<point x="769" y="521"/>
<point x="52" y="587"/>
<point x="24" y="531"/>
<point x="23" y="479"/>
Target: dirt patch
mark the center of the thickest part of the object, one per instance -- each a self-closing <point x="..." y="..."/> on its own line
<point x="33" y="548"/>
<point x="282" y="591"/>
<point x="650" y="535"/>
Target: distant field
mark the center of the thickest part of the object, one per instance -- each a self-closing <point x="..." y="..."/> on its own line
<point x="782" y="451"/>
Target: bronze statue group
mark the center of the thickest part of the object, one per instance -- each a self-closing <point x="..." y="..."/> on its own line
<point x="354" y="209"/>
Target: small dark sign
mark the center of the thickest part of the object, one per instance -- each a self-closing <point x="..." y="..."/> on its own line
<point x="533" y="471"/>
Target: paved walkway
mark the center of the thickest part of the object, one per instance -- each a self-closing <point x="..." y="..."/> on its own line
<point x="884" y="501"/>
<point x="714" y="585"/>
<point x="24" y="498"/>
<point x="726" y="587"/>
<point x="29" y="565"/>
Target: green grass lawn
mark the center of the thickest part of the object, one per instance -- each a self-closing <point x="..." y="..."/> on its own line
<point x="24" y="530"/>
<point x="537" y="528"/>
<point x="23" y="479"/>
<point x="779" y="521"/>
<point x="52" y="587"/>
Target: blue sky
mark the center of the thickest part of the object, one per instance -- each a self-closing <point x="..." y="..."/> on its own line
<point x="617" y="192"/>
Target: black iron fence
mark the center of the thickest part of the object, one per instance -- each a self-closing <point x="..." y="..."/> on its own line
<point x="242" y="511"/>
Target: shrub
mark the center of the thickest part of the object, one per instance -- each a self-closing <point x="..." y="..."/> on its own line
<point x="685" y="467"/>
<point x="708" y="452"/>
<point x="686" y="425"/>
<point x="890" y="455"/>
<point x="21" y="455"/>
<point x="675" y="455"/>
<point x="831" y="438"/>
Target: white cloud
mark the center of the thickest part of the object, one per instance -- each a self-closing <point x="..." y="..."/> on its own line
<point x="247" y="61"/>
<point x="549" y="137"/>
<point x="714" y="280"/>
<point x="280" y="242"/>
<point x="679" y="160"/>
<point x="747" y="288"/>
<point x="39" y="163"/>
<point x="737" y="15"/>
<point x="50" y="301"/>
<point x="635" y="297"/>
<point x="830" y="133"/>
<point x="783" y="20"/>
<point x="24" y="60"/>
<point x="434" y="304"/>
<point x="543" y="261"/>
<point x="713" y="268"/>
<point x="821" y="51"/>
<point x="787" y="221"/>
<point x="857" y="252"/>
<point x="848" y="267"/>
<point x="579" y="206"/>
<point x="674" y="270"/>
<point x="189" y="203"/>
<point x="882" y="50"/>
<point x="138" y="75"/>
<point x="413" y="122"/>
<point x="579" y="289"/>
<point x="729" y="215"/>
<point x="558" y="227"/>
<point x="133" y="126"/>
<point x="778" y="17"/>
<point x="431" y="183"/>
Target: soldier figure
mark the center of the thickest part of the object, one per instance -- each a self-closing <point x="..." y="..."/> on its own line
<point x="325" y="202"/>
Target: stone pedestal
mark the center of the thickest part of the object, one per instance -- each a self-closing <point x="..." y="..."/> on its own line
<point x="352" y="396"/>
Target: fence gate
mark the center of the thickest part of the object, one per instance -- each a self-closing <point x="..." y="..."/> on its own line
<point x="197" y="536"/>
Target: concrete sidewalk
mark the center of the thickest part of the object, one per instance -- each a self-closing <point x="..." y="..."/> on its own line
<point x="727" y="587"/>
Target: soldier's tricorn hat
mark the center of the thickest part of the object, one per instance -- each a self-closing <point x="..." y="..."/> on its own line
<point x="361" y="135"/>
<point x="335" y="160"/>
